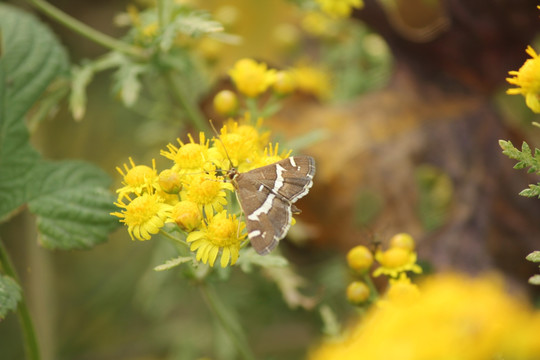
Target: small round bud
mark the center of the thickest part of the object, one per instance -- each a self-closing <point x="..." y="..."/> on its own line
<point x="360" y="258"/>
<point x="402" y="240"/>
<point x="225" y="102"/>
<point x="186" y="215"/>
<point x="285" y="83"/>
<point x="169" y="181"/>
<point x="357" y="292"/>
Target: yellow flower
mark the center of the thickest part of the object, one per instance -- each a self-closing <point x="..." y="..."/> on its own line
<point x="454" y="317"/>
<point x="312" y="80"/>
<point x="137" y="179"/>
<point x="339" y="8"/>
<point x="396" y="260"/>
<point x="190" y="157"/>
<point x="269" y="156"/>
<point x="221" y="233"/>
<point x="207" y="191"/>
<point x="252" y="78"/>
<point x="241" y="143"/>
<point x="186" y="214"/>
<point x="527" y="80"/>
<point x="144" y="215"/>
<point x="318" y="24"/>
<point x="285" y="83"/>
<point x="360" y="258"/>
<point x="402" y="291"/>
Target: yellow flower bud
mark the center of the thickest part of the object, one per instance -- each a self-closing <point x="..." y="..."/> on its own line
<point x="360" y="258"/>
<point x="402" y="240"/>
<point x="225" y="102"/>
<point x="395" y="257"/>
<point x="357" y="292"/>
<point x="285" y="83"/>
<point x="169" y="181"/>
<point x="187" y="215"/>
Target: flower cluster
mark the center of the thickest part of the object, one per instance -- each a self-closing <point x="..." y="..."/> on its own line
<point x="253" y="79"/>
<point x="194" y="194"/>
<point x="450" y="317"/>
<point x="394" y="262"/>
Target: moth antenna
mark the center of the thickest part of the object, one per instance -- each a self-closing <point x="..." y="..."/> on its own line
<point x="221" y="141"/>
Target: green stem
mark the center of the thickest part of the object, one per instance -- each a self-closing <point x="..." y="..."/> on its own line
<point x="30" y="339"/>
<point x="194" y="114"/>
<point x="87" y="31"/>
<point x="373" y="293"/>
<point x="233" y="330"/>
<point x="174" y="239"/>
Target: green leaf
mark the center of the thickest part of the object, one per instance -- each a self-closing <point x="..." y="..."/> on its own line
<point x="192" y="23"/>
<point x="10" y="294"/>
<point x="525" y="156"/>
<point x="535" y="279"/>
<point x="70" y="199"/>
<point x="532" y="191"/>
<point x="80" y="78"/>
<point x="127" y="82"/>
<point x="72" y="205"/>
<point x="534" y="257"/>
<point x="31" y="59"/>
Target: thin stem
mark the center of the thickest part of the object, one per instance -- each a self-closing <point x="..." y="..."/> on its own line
<point x="31" y="346"/>
<point x="87" y="31"/>
<point x="194" y="114"/>
<point x="174" y="239"/>
<point x="373" y="293"/>
<point x="235" y="334"/>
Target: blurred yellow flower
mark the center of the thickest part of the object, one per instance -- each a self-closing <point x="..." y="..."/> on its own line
<point x="339" y="8"/>
<point x="221" y="233"/>
<point x="145" y="215"/>
<point x="312" y="80"/>
<point x="285" y="83"/>
<point x="252" y="78"/>
<point x="455" y="317"/>
<point x="318" y="24"/>
<point x="270" y="155"/>
<point x="396" y="260"/>
<point x="137" y="178"/>
<point x="527" y="80"/>
<point x="402" y="240"/>
<point x="170" y="181"/>
<point x="402" y="291"/>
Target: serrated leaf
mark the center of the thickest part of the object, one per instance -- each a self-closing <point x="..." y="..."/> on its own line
<point x="534" y="256"/>
<point x="10" y="294"/>
<point x="169" y="264"/>
<point x="190" y="23"/>
<point x="72" y="205"/>
<point x="249" y="257"/>
<point x="31" y="59"/>
<point x="532" y="191"/>
<point x="535" y="279"/>
<point x="127" y="82"/>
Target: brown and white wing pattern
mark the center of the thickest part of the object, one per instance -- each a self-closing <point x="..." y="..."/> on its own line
<point x="266" y="196"/>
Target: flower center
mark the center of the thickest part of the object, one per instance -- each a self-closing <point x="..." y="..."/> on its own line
<point x="190" y="156"/>
<point x="222" y="232"/>
<point x="142" y="209"/>
<point x="139" y="175"/>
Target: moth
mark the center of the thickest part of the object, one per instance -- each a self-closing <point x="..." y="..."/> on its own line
<point x="267" y="196"/>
